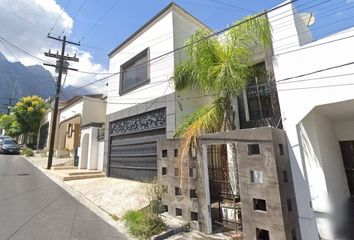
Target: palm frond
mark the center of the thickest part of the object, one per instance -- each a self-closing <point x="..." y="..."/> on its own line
<point x="206" y="119"/>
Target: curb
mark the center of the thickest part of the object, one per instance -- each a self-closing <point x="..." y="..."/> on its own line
<point x="168" y="233"/>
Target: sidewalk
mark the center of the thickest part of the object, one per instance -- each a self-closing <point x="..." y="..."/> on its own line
<point x="115" y="196"/>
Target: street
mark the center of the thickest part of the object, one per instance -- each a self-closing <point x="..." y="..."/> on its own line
<point x="34" y="207"/>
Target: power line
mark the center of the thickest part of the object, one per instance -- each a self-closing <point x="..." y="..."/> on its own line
<point x="25" y="20"/>
<point x="233" y="6"/>
<point x="197" y="41"/>
<point x="99" y="20"/>
<point x="20" y="49"/>
<point x="75" y="14"/>
<point x="317" y="71"/>
<point x="277" y="81"/>
<point x="59" y="16"/>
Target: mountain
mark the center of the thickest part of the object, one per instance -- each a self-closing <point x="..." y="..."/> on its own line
<point x="17" y="80"/>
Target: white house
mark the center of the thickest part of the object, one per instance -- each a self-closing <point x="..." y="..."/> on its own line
<point x="80" y="131"/>
<point x="315" y="88"/>
<point x="80" y="128"/>
<point x="142" y="105"/>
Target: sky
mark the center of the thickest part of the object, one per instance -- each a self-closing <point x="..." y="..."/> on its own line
<point x="27" y="23"/>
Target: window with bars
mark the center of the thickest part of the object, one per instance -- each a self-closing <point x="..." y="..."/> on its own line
<point x="258" y="94"/>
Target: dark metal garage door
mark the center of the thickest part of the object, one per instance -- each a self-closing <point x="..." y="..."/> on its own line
<point x="133" y="148"/>
<point x="134" y="156"/>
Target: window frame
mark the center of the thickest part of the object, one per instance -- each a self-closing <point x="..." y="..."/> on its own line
<point x="256" y="85"/>
<point x="128" y="64"/>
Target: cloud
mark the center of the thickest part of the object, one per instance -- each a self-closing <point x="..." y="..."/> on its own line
<point x="43" y="14"/>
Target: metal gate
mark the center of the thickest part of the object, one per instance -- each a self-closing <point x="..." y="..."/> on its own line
<point x="133" y="140"/>
<point x="134" y="156"/>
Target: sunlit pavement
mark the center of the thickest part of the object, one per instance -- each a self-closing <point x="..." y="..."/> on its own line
<point x="34" y="207"/>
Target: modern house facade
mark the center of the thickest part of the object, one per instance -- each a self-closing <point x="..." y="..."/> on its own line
<point x="142" y="104"/>
<point x="315" y="87"/>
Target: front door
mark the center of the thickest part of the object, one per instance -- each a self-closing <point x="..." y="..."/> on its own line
<point x="347" y="148"/>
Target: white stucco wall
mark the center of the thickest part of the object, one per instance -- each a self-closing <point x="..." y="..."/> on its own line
<point x="344" y="130"/>
<point x="174" y="27"/>
<point x="324" y="168"/>
<point x="89" y="154"/>
<point x="94" y="110"/>
<point x="100" y="156"/>
<point x="73" y="110"/>
<point x="298" y="96"/>
<point x="159" y="39"/>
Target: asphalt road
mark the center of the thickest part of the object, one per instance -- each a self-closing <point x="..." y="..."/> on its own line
<point x="34" y="207"/>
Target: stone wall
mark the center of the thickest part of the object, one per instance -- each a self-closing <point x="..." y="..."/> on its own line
<point x="263" y="150"/>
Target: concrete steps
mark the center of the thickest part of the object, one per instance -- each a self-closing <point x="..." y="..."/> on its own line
<point x="63" y="167"/>
<point x="83" y="176"/>
<point x="91" y="172"/>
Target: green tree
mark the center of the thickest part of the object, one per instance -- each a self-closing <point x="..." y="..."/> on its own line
<point x="219" y="67"/>
<point x="11" y="126"/>
<point x="28" y="112"/>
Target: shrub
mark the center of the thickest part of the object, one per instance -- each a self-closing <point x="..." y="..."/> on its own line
<point x="143" y="223"/>
<point x="27" y="152"/>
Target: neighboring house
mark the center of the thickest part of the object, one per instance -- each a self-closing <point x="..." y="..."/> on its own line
<point x="142" y="104"/>
<point x="79" y="133"/>
<point x="315" y="87"/>
<point x="45" y="127"/>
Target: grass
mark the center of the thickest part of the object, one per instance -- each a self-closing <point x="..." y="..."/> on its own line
<point x="114" y="217"/>
<point x="143" y="223"/>
<point x="27" y="152"/>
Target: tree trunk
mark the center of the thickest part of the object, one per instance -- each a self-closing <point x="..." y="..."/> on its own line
<point x="231" y="147"/>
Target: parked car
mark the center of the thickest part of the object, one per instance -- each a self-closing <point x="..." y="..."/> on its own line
<point x="2" y="138"/>
<point x="9" y="145"/>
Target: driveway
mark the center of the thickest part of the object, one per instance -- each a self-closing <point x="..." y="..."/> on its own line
<point x="34" y="207"/>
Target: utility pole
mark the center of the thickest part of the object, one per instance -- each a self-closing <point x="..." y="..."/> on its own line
<point x="61" y="67"/>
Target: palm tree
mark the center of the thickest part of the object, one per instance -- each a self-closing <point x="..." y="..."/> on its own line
<point x="219" y="66"/>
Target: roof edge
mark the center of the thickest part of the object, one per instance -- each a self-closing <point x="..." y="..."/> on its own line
<point x="165" y="9"/>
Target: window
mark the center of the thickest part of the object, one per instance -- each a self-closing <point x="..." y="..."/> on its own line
<point x="256" y="176"/>
<point x="135" y="72"/>
<point x="176" y="172"/>
<point x="164" y="153"/>
<point x="177" y="191"/>
<point x="164" y="188"/>
<point x="178" y="212"/>
<point x="281" y="149"/>
<point x="165" y="208"/>
<point x="285" y="176"/>
<point x="259" y="204"/>
<point x="262" y="234"/>
<point x="253" y="149"/>
<point x="290" y="207"/>
<point x="194" y="216"/>
<point x="70" y="130"/>
<point x="192" y="172"/>
<point x="164" y="171"/>
<point x="258" y="94"/>
<point x="176" y="152"/>
<point x="193" y="193"/>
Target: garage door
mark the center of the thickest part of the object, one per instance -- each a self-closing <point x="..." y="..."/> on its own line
<point x="133" y="153"/>
<point x="134" y="156"/>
